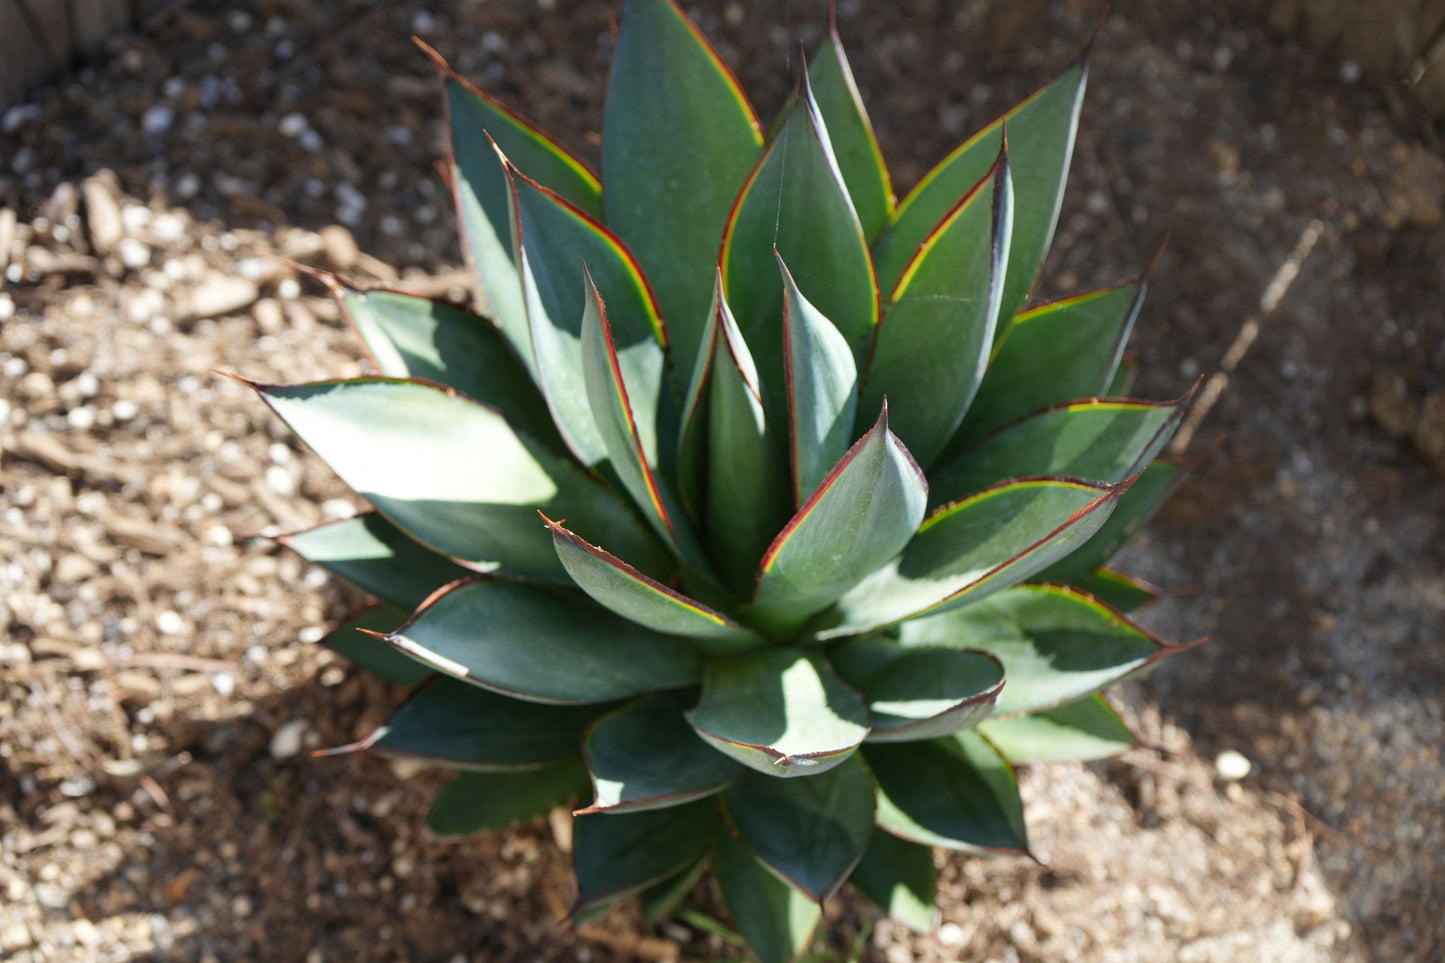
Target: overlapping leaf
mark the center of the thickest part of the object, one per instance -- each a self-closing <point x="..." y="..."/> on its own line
<point x="810" y="832"/>
<point x="781" y="711"/>
<point x="617" y="854"/>
<point x="377" y="557"/>
<point x="543" y="644"/>
<point x="918" y="693"/>
<point x="454" y="475"/>
<point x="932" y="347"/>
<point x="679" y="138"/>
<point x="1056" y="644"/>
<point x="956" y="792"/>
<point x="1145" y="497"/>
<point x="645" y="756"/>
<point x="358" y="641"/>
<point x="776" y="919"/>
<point x="473" y="802"/>
<point x="1079" y="731"/>
<point x="795" y="202"/>
<point x="1040" y="141"/>
<point x="851" y="134"/>
<point x="899" y="876"/>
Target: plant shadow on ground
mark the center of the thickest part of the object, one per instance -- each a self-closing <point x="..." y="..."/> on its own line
<point x="1313" y="532"/>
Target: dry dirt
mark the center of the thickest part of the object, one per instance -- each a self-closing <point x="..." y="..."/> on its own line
<point x="159" y="671"/>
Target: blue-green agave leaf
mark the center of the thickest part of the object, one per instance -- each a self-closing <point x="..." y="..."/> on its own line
<point x="777" y="920"/>
<point x="822" y="383"/>
<point x="851" y="134"/>
<point x="474" y="802"/>
<point x="956" y="792"/>
<point x="781" y="711"/>
<point x="678" y="139"/>
<point x="659" y="900"/>
<point x="645" y="756"/>
<point x="357" y="640"/>
<point x="1139" y="504"/>
<point x="543" y="644"/>
<point x="917" y="693"/>
<point x="454" y="475"/>
<point x="1081" y="731"/>
<point x="1118" y="590"/>
<point x="899" y="876"/>
<point x="617" y="854"/>
<point x="1056" y="643"/>
<point x="932" y="346"/>
<point x="810" y="832"/>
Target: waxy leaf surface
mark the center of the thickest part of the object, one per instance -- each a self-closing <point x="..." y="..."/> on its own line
<point x="1119" y="591"/>
<point x="1051" y="354"/>
<point x="777" y="920"/>
<point x="377" y="557"/>
<point x="1079" y="731"/>
<point x="1056" y="644"/>
<point x="795" y="203"/>
<point x="543" y="644"/>
<point x="781" y="711"/>
<point x="975" y="547"/>
<point x="616" y="854"/>
<point x="1040" y="142"/>
<point x="811" y="832"/>
<point x="1145" y="497"/>
<point x="356" y="641"/>
<point x="559" y="244"/>
<point x="933" y="343"/>
<point x="1103" y="441"/>
<point x="956" y="792"/>
<point x="475" y="122"/>
<point x="623" y="589"/>
<point x="851" y="134"/>
<point x="645" y="756"/>
<point x="862" y="515"/>
<point x="474" y="802"/>
<point x="899" y="876"/>
<point x="678" y="140"/>
<point x="459" y="726"/>
<point x="917" y="693"/>
<point x="454" y="475"/>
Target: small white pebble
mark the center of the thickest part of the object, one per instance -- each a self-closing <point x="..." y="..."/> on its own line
<point x="280" y="453"/>
<point x="124" y="409"/>
<point x="287" y="740"/>
<point x="289" y="289"/>
<point x="14" y="367"/>
<point x="87" y="384"/>
<point x="188" y="185"/>
<point x="337" y="508"/>
<point x="292" y="125"/>
<point x="170" y="622"/>
<point x="7" y="307"/>
<point x="311" y="635"/>
<point x="219" y="536"/>
<point x="81" y="419"/>
<point x="423" y="22"/>
<point x="133" y="254"/>
<point x="280" y="481"/>
<point x="224" y="683"/>
<point x="952" y="935"/>
<point x="1231" y="765"/>
<point x="157" y="119"/>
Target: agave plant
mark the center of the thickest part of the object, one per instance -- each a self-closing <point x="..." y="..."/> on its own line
<point x="755" y="512"/>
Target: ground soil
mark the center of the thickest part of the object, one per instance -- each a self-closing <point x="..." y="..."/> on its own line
<point x="160" y="676"/>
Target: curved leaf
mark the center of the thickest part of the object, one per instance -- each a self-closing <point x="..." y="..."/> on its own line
<point x="975" y="547"/>
<point x="630" y="445"/>
<point x="415" y="337"/>
<point x="357" y="640"/>
<point x="822" y="382"/>
<point x="777" y="920"/>
<point x="453" y="474"/>
<point x="810" y="832"/>
<point x="1080" y="731"/>
<point x="932" y="346"/>
<point x="1104" y="441"/>
<point x="795" y="203"/>
<point x="542" y="644"/>
<point x="557" y="243"/>
<point x="645" y="756"/>
<point x="377" y="557"/>
<point x="618" y="854"/>
<point x="1056" y="643"/>
<point x="899" y="876"/>
<point x="916" y="693"/>
<point x="1144" y="498"/>
<point x="637" y="598"/>
<point x="473" y="802"/>
<point x="862" y="515"/>
<point x="956" y="792"/>
<point x="746" y="496"/>
<point x="1120" y="591"/>
<point x="1051" y="354"/>
<point x="781" y="711"/>
<point x="678" y="140"/>
<point x="475" y="122"/>
<point x="1040" y="141"/>
<point x="660" y="899"/>
<point x="456" y="725"/>
<point x="851" y="134"/>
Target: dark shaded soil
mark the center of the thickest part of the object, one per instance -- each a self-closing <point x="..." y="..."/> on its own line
<point x="154" y="668"/>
